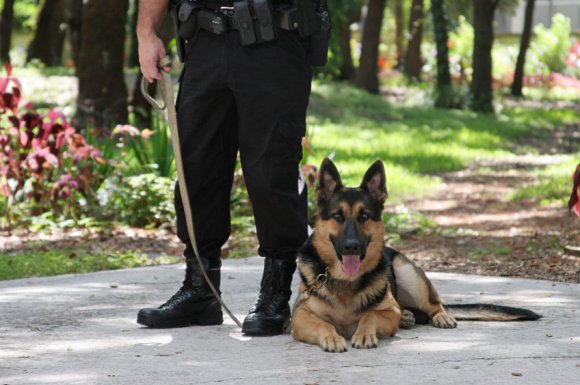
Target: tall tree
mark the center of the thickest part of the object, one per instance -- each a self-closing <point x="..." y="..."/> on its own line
<point x="399" y="31"/>
<point x="482" y="81"/>
<point x="102" y="99"/>
<point x="518" y="82"/>
<point x="413" y="60"/>
<point x="444" y="91"/>
<point x="133" y="55"/>
<point x="73" y="20"/>
<point x="343" y="34"/>
<point x="48" y="40"/>
<point x="368" y="72"/>
<point x="6" y="30"/>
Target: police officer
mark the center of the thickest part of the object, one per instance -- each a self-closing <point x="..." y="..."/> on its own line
<point x="234" y="97"/>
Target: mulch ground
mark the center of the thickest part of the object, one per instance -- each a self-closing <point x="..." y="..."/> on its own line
<point x="479" y="231"/>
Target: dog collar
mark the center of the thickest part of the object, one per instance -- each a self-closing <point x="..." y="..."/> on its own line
<point x="321" y="280"/>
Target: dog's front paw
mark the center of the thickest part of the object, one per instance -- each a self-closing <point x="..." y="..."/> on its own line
<point x="364" y="340"/>
<point x="443" y="320"/>
<point x="407" y="319"/>
<point x="333" y="344"/>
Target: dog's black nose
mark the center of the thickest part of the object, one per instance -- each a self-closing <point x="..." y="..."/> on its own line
<point x="351" y="247"/>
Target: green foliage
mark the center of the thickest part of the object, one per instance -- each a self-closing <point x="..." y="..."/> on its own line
<point x="148" y="150"/>
<point x="54" y="262"/>
<point x="25" y="13"/>
<point x="144" y="200"/>
<point x="461" y="50"/>
<point x="356" y="128"/>
<point x="553" y="184"/>
<point x="551" y="45"/>
<point x="341" y="12"/>
<point x="404" y="220"/>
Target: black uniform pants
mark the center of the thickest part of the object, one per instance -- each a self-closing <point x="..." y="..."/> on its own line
<point x="252" y="99"/>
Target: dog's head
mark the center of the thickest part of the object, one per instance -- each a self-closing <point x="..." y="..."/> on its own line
<point x="349" y="231"/>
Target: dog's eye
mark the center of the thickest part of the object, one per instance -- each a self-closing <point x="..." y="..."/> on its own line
<point x="363" y="217"/>
<point x="338" y="217"/>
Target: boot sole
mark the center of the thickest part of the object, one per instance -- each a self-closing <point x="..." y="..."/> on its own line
<point x="265" y="328"/>
<point x="211" y="316"/>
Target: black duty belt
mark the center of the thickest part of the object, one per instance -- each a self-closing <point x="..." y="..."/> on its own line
<point x="256" y="21"/>
<point x="217" y="4"/>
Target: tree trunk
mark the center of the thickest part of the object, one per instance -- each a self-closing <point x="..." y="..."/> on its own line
<point x="73" y="20"/>
<point x="102" y="99"/>
<point x="413" y="61"/>
<point x="347" y="70"/>
<point x="444" y="91"/>
<point x="482" y="81"/>
<point x="368" y="70"/>
<point x="48" y="40"/>
<point x="6" y="30"/>
<point x="133" y="57"/>
<point x="399" y="32"/>
<point x="518" y="82"/>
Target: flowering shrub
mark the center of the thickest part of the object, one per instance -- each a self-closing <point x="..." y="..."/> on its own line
<point x="144" y="200"/>
<point x="573" y="60"/>
<point x="43" y="160"/>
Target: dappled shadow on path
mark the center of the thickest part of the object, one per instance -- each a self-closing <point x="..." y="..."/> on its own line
<point x="480" y="230"/>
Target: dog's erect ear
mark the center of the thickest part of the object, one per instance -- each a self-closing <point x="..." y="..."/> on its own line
<point x="375" y="182"/>
<point x="328" y="180"/>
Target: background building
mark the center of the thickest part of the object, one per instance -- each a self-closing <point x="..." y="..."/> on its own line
<point x="513" y="24"/>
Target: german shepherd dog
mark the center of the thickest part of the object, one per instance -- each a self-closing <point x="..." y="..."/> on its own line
<point x="353" y="287"/>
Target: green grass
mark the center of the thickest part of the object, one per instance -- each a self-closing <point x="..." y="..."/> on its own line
<point x="356" y="128"/>
<point x="54" y="262"/>
<point x="553" y="184"/>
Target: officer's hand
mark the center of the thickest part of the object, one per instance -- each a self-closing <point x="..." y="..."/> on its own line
<point x="151" y="49"/>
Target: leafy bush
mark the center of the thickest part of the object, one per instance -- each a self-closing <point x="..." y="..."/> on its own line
<point x="551" y="45"/>
<point x="142" y="200"/>
<point x="461" y="50"/>
<point x="45" y="164"/>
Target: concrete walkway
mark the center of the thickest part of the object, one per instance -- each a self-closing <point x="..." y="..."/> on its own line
<point x="80" y="329"/>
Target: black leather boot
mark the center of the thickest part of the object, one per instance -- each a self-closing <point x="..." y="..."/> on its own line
<point x="271" y="312"/>
<point x="193" y="304"/>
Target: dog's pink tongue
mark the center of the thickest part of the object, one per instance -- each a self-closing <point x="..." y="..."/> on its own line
<point x="351" y="264"/>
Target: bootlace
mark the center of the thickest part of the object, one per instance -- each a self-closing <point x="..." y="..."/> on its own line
<point x="269" y="302"/>
<point x="181" y="294"/>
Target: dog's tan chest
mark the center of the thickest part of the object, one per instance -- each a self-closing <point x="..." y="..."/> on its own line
<point x="341" y="315"/>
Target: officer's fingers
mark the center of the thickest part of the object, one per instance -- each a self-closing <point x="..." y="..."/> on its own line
<point x="150" y="52"/>
<point x="150" y="72"/>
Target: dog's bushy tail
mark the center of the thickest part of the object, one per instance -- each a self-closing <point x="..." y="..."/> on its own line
<point x="487" y="312"/>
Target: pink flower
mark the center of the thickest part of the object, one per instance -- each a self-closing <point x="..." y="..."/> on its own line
<point x="126" y="129"/>
<point x="64" y="187"/>
<point x="41" y="158"/>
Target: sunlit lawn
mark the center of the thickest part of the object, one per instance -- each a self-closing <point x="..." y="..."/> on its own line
<point x="356" y="128"/>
